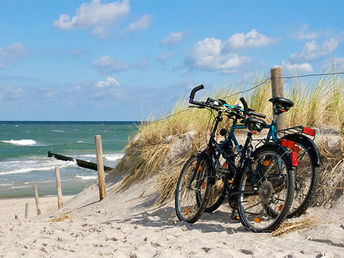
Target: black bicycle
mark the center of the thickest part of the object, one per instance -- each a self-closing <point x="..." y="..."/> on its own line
<point x="260" y="185"/>
<point x="306" y="158"/>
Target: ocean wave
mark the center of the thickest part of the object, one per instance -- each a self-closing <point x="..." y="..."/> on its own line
<point x="108" y="157"/>
<point x="23" y="167"/>
<point x="86" y="177"/>
<point x="88" y="156"/>
<point x="23" y="142"/>
<point x="19" y="186"/>
<point x="113" y="157"/>
<point x="58" y="131"/>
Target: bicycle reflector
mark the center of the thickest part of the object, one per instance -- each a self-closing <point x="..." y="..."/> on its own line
<point x="294" y="159"/>
<point x="287" y="143"/>
<point x="309" y="131"/>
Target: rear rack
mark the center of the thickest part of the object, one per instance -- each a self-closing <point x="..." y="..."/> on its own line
<point x="299" y="130"/>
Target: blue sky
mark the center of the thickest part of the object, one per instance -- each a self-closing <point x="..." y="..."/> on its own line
<point x="125" y="60"/>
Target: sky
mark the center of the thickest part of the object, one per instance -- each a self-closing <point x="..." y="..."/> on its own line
<point x="130" y="60"/>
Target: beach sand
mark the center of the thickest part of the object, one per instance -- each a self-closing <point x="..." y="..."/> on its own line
<point x="127" y="224"/>
<point x="11" y="207"/>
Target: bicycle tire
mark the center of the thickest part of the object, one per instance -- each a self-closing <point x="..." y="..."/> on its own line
<point x="193" y="182"/>
<point x="307" y="178"/>
<point x="271" y="188"/>
<point x="217" y="195"/>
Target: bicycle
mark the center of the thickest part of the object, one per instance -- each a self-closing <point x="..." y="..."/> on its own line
<point x="307" y="169"/>
<point x="266" y="179"/>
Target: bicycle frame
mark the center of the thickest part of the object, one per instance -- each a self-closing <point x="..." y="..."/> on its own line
<point x="214" y="150"/>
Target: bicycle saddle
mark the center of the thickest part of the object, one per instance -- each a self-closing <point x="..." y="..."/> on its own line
<point x="282" y="104"/>
<point x="282" y="101"/>
<point x="255" y="124"/>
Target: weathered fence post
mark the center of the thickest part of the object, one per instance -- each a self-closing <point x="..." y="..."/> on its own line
<point x="277" y="91"/>
<point x="26" y="210"/>
<point x="100" y="167"/>
<point x="36" y="199"/>
<point x="58" y="188"/>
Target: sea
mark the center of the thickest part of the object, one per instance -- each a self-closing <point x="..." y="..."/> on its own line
<point x="24" y="157"/>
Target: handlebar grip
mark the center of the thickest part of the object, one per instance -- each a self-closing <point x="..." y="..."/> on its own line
<point x="243" y="101"/>
<point x="193" y="92"/>
<point x="195" y="102"/>
<point x="257" y="114"/>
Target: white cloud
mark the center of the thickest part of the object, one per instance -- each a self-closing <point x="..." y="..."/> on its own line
<point x="215" y="54"/>
<point x="107" y="65"/>
<point x="140" y="24"/>
<point x="210" y="54"/>
<point x="12" y="53"/>
<point x="301" y="67"/>
<point x="304" y="33"/>
<point x="311" y="50"/>
<point x="251" y="39"/>
<point x="108" y="83"/>
<point x="174" y="38"/>
<point x="96" y="16"/>
<point x="164" y="57"/>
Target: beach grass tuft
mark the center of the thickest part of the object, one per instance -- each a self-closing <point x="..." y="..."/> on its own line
<point x="287" y="227"/>
<point x="61" y="218"/>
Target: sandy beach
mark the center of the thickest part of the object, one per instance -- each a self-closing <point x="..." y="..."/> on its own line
<point x="127" y="224"/>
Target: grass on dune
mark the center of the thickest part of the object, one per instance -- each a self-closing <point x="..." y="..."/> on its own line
<point x="317" y="104"/>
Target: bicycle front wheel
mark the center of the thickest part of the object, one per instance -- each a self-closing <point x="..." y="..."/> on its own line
<point x="217" y="195"/>
<point x="192" y="190"/>
<point x="266" y="190"/>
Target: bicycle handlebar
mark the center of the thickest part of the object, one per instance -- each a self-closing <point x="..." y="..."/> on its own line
<point x="192" y="94"/>
<point x="216" y="104"/>
<point x="243" y="101"/>
<point x="251" y="113"/>
<point x="248" y="111"/>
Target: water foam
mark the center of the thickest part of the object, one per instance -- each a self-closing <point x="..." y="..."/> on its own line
<point x="27" y="166"/>
<point x="86" y="177"/>
<point x="23" y="142"/>
<point x="58" y="131"/>
<point x="113" y="157"/>
<point x="108" y="157"/>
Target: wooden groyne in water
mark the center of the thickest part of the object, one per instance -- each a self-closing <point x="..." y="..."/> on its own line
<point x="79" y="162"/>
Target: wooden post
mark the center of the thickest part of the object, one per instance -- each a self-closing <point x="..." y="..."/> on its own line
<point x="58" y="188"/>
<point x="100" y="167"/>
<point x="26" y="210"/>
<point x="277" y="91"/>
<point x="36" y="199"/>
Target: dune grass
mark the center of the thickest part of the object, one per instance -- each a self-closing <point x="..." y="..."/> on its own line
<point x="316" y="104"/>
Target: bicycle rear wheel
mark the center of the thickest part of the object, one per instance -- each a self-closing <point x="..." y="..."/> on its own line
<point x="192" y="190"/>
<point x="266" y="190"/>
<point x="306" y="177"/>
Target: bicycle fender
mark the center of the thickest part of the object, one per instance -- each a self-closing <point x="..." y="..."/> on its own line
<point x="309" y="144"/>
<point x="277" y="146"/>
<point x="211" y="166"/>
